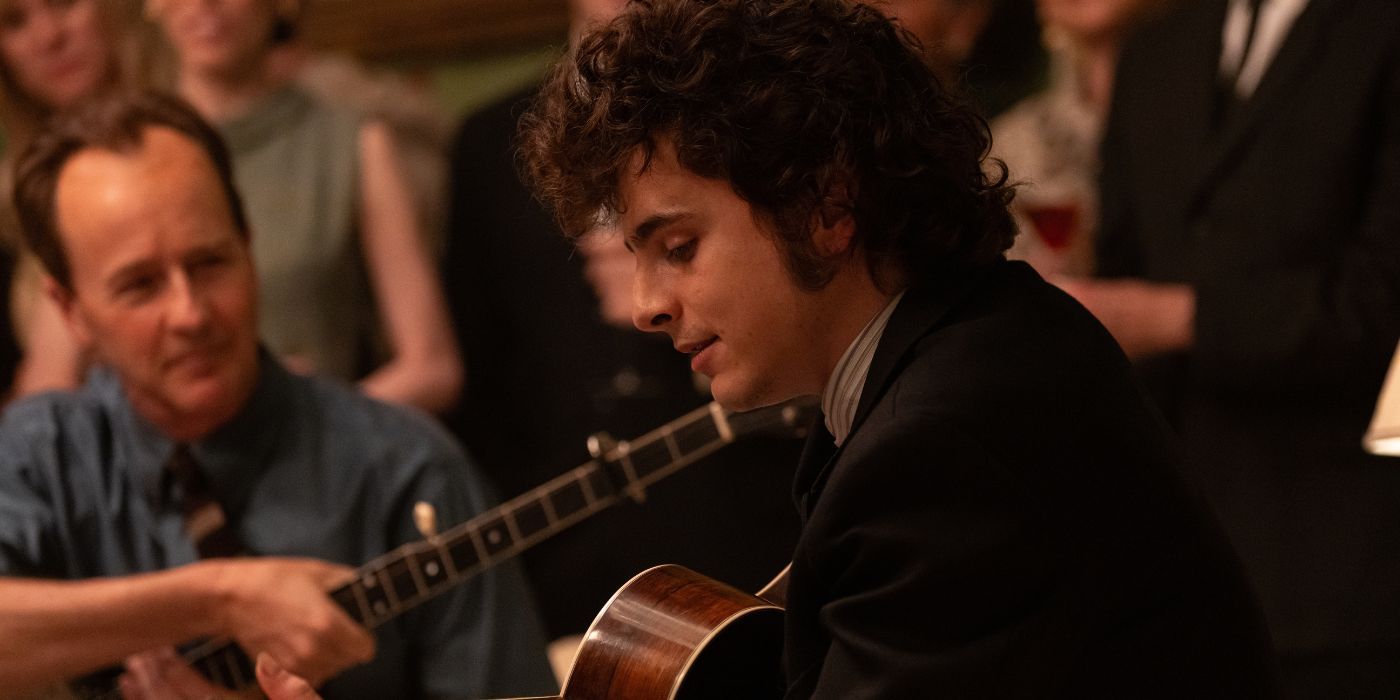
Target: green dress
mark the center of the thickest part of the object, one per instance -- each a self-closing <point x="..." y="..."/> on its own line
<point x="296" y="163"/>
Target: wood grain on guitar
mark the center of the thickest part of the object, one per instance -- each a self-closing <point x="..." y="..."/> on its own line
<point x="673" y="634"/>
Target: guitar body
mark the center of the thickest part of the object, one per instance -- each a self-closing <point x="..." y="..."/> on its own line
<point x="672" y="634"/>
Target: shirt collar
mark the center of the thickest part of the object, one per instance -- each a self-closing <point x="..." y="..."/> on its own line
<point x="1276" y="19"/>
<point x="228" y="457"/>
<point x="842" y="393"/>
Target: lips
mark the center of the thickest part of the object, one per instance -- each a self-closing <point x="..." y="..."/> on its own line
<point x="197" y="359"/>
<point x="699" y="358"/>
<point x="695" y="348"/>
<point x="191" y="362"/>
<point x="63" y="67"/>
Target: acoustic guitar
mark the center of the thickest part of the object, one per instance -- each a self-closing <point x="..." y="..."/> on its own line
<point x="673" y="634"/>
<point x="419" y="571"/>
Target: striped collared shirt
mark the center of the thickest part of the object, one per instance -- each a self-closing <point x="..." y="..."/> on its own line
<point x="1276" y="18"/>
<point x="843" y="389"/>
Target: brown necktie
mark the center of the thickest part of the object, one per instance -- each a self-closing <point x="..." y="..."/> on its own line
<point x="205" y="522"/>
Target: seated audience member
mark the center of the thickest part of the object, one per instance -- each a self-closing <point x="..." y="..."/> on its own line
<point x="350" y="286"/>
<point x="994" y="509"/>
<point x="190" y="442"/>
<point x="549" y="370"/>
<point x="1050" y="140"/>
<point x="1250" y="250"/>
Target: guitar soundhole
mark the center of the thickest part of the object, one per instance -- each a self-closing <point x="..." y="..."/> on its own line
<point x="743" y="661"/>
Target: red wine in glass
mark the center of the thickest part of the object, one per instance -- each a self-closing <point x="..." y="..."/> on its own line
<point x="1054" y="223"/>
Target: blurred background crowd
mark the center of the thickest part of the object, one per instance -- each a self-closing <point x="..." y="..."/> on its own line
<point x="1216" y="179"/>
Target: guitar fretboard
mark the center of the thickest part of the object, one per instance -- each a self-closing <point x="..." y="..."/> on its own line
<point x="419" y="571"/>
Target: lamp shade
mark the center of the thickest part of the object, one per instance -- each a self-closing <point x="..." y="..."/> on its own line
<point x="1383" y="437"/>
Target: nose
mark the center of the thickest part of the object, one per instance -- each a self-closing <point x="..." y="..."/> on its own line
<point x="653" y="308"/>
<point x="188" y="309"/>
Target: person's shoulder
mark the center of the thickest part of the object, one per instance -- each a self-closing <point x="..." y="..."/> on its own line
<point x="312" y="117"/>
<point x="40" y="423"/>
<point x="352" y="418"/>
<point x="55" y="408"/>
<point x="1015" y="314"/>
<point x="315" y="106"/>
<point x="372" y="453"/>
<point x="345" y="85"/>
<point x="1159" y="39"/>
<point x="1014" y="343"/>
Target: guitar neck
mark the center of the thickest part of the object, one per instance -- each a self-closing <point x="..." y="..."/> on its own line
<point x="416" y="572"/>
<point x="420" y="571"/>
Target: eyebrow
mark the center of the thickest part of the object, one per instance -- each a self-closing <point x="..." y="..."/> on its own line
<point x="117" y="277"/>
<point x="145" y="265"/>
<point x="651" y="225"/>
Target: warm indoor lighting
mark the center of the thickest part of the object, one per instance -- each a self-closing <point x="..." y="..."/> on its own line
<point x="1383" y="438"/>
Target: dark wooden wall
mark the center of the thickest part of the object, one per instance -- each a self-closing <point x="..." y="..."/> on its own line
<point x="428" y="29"/>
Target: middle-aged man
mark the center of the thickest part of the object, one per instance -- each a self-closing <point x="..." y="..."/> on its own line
<point x="993" y="510"/>
<point x="129" y="204"/>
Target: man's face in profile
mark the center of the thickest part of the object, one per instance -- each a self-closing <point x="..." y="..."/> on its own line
<point x="709" y="273"/>
<point x="162" y="285"/>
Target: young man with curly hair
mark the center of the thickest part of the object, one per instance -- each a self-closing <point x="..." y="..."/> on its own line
<point x="992" y="510"/>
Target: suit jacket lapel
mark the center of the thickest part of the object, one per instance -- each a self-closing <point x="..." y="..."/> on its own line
<point x="923" y="306"/>
<point x="1295" y="57"/>
<point x="817" y="454"/>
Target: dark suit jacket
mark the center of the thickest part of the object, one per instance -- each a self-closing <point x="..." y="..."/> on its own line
<point x="1007" y="520"/>
<point x="1284" y="214"/>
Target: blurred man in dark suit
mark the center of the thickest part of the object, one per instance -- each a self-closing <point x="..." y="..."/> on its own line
<point x="1251" y="234"/>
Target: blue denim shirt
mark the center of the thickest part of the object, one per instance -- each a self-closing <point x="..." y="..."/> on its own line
<point x="307" y="468"/>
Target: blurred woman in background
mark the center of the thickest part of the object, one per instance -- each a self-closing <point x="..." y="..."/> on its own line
<point x="1050" y="140"/>
<point x="345" y="276"/>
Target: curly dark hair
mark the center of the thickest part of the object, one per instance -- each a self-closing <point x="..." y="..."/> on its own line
<point x="787" y="100"/>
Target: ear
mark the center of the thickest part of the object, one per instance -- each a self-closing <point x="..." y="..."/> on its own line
<point x="835" y="227"/>
<point x="73" y="317"/>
